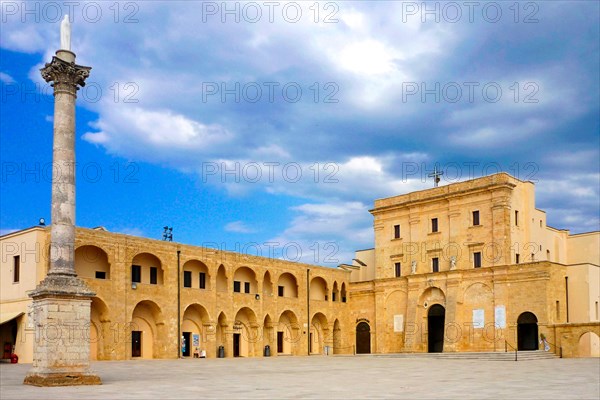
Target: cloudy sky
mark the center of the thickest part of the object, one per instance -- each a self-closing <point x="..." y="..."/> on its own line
<point x="271" y="127"/>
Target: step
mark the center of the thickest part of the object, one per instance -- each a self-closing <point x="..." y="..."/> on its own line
<point x="489" y="356"/>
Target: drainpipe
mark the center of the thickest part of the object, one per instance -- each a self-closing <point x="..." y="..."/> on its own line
<point x="567" y="295"/>
<point x="178" y="305"/>
<point x="308" y="311"/>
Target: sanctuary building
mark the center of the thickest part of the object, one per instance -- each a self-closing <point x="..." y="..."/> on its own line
<point x="470" y="266"/>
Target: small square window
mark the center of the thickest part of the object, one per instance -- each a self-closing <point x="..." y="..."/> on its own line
<point x="153" y="275"/>
<point x="100" y="275"/>
<point x="246" y="287"/>
<point x="187" y="279"/>
<point x="475" y="218"/>
<point x="396" y="231"/>
<point x="280" y="291"/>
<point x="237" y="286"/>
<point x="477" y="259"/>
<point x="136" y="273"/>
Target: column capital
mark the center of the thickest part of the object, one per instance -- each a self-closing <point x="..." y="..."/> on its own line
<point x="66" y="77"/>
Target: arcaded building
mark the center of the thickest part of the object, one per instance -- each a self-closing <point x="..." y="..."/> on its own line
<point x="470" y="266"/>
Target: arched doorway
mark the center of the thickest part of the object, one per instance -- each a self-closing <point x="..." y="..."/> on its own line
<point x="363" y="338"/>
<point x="435" y="328"/>
<point x="589" y="345"/>
<point x="527" y="331"/>
<point x="318" y="334"/>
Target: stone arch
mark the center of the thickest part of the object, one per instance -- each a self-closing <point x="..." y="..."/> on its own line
<point x="99" y="326"/>
<point x="196" y="268"/>
<point x="318" y="289"/>
<point x="268" y="334"/>
<point x="289" y="334"/>
<point x="432" y="295"/>
<point x="436" y="317"/>
<point x="319" y="333"/>
<point x="395" y="312"/>
<point x="146" y="262"/>
<point x="245" y="334"/>
<point x="246" y="275"/>
<point x="289" y="283"/>
<point x="194" y="318"/>
<point x="588" y="345"/>
<point x="267" y="285"/>
<point x="363" y="338"/>
<point x="335" y="292"/>
<point x="221" y="332"/>
<point x="343" y="295"/>
<point x="92" y="262"/>
<point x="147" y="319"/>
<point x="527" y="331"/>
<point x="222" y="285"/>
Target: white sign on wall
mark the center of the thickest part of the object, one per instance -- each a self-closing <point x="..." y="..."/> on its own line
<point x="500" y="316"/>
<point x="399" y="323"/>
<point x="478" y="318"/>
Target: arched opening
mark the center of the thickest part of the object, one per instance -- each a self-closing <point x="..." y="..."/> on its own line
<point x="363" y="338"/>
<point x="318" y="334"/>
<point x="221" y="279"/>
<point x="145" y="320"/>
<point x="245" y="333"/>
<point x="8" y="335"/>
<point x="337" y="337"/>
<point x="267" y="285"/>
<point x="267" y="332"/>
<point x="146" y="268"/>
<point x="195" y="275"/>
<point x="98" y="318"/>
<point x="222" y="332"/>
<point x="335" y="294"/>
<point x="343" y="292"/>
<point x="589" y="345"/>
<point x="287" y="286"/>
<point x="193" y="338"/>
<point x="435" y="328"/>
<point x="288" y="334"/>
<point x="318" y="289"/>
<point x="91" y="262"/>
<point x="527" y="331"/>
<point x="244" y="280"/>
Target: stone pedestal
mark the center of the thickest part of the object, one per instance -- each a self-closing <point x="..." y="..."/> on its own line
<point x="61" y="350"/>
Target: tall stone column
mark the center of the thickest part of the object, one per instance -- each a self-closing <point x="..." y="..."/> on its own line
<point x="61" y="302"/>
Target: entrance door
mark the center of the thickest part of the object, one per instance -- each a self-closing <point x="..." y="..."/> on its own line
<point x="136" y="343"/>
<point x="187" y="344"/>
<point x="236" y="344"/>
<point x="280" y="342"/>
<point x="527" y="332"/>
<point x="363" y="338"/>
<point x="435" y="328"/>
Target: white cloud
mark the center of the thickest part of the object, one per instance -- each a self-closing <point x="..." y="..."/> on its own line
<point x="6" y="78"/>
<point x="238" y="227"/>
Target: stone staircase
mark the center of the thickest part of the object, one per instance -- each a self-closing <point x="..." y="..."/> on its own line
<point x="483" y="356"/>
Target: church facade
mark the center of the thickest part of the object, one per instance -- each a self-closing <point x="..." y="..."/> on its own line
<point x="471" y="266"/>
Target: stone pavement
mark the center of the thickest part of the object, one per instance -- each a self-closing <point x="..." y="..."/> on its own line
<point x="323" y="377"/>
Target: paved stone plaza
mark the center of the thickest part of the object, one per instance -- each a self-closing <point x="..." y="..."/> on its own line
<point x="324" y="377"/>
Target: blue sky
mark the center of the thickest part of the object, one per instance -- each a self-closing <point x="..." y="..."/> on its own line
<point x="271" y="127"/>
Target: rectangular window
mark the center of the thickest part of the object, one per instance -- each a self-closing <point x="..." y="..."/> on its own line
<point x="100" y="275"/>
<point x="596" y="311"/>
<point x="187" y="279"/>
<point x="202" y="279"/>
<point x="477" y="259"/>
<point x="435" y="264"/>
<point x="136" y="273"/>
<point x="333" y="298"/>
<point x="280" y="291"/>
<point x="237" y="286"/>
<point x="434" y="224"/>
<point x="246" y="287"/>
<point x="557" y="310"/>
<point x="516" y="218"/>
<point x="475" y="218"/>
<point x="396" y="231"/>
<point x="153" y="275"/>
<point x="532" y="257"/>
<point x="17" y="269"/>
<point x="397" y="269"/>
<point x="517" y="258"/>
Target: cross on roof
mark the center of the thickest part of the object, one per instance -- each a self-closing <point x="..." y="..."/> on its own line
<point x="435" y="175"/>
